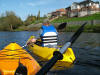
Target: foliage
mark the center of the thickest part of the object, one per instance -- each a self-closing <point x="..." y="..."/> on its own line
<point x="30" y="19"/>
<point x="22" y="28"/>
<point x="9" y="21"/>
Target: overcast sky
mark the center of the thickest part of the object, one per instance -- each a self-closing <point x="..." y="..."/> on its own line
<point x="23" y="8"/>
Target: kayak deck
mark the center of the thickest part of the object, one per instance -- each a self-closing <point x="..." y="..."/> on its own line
<point x="10" y="57"/>
<point x="46" y="53"/>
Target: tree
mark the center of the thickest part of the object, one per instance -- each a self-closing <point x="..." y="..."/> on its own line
<point x="38" y="16"/>
<point x="10" y="21"/>
<point x="30" y="19"/>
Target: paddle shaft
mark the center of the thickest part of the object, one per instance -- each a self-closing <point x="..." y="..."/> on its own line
<point x="56" y="56"/>
<point x="59" y="55"/>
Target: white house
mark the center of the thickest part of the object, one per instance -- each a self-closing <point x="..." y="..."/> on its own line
<point x="83" y="8"/>
<point x="49" y="15"/>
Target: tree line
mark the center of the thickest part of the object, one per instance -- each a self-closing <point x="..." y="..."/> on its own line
<point x="9" y="21"/>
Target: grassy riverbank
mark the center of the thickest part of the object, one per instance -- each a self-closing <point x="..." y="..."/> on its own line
<point x="72" y="28"/>
<point x="88" y="28"/>
<point x="85" y="18"/>
<point x="91" y="27"/>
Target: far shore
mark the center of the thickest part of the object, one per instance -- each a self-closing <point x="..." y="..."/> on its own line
<point x="72" y="28"/>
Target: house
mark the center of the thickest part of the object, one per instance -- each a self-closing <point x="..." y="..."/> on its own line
<point x="61" y="12"/>
<point x="83" y="8"/>
<point x="49" y="15"/>
<point x="57" y="13"/>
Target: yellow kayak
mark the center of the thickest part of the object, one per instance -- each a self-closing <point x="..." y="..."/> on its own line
<point x="47" y="53"/>
<point x="14" y="59"/>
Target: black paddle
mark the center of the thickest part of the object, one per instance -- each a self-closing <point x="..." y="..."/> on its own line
<point x="58" y="55"/>
<point x="62" y="26"/>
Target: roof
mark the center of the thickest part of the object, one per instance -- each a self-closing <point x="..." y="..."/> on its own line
<point x="61" y="10"/>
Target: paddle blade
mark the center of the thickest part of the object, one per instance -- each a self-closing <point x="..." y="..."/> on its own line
<point x="21" y="70"/>
<point x="56" y="56"/>
<point x="62" y="26"/>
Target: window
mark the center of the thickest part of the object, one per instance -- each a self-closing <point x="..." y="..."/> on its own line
<point x="89" y="4"/>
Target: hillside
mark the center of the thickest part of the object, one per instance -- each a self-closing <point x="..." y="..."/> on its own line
<point x="71" y="28"/>
<point x="85" y="18"/>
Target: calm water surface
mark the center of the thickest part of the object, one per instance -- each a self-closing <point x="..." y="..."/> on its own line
<point x="86" y="49"/>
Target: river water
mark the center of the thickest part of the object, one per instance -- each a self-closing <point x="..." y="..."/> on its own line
<point x="86" y="49"/>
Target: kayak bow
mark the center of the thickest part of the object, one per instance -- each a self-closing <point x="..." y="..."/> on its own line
<point x="14" y="59"/>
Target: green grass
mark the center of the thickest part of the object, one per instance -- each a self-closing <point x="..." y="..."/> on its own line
<point x="85" y="18"/>
<point x="88" y="28"/>
<point x="21" y="28"/>
<point x="38" y="21"/>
